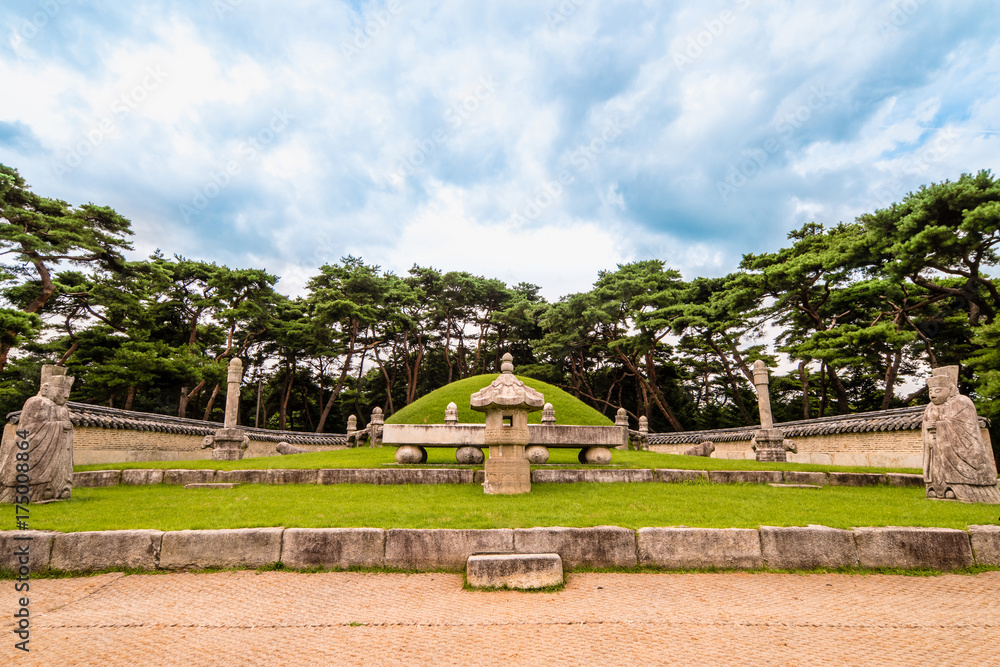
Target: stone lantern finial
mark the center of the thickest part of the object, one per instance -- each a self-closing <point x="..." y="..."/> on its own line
<point x="507" y="363"/>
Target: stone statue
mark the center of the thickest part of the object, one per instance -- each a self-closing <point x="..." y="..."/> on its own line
<point x="38" y="462"/>
<point x="958" y="464"/>
<point x="702" y="449"/>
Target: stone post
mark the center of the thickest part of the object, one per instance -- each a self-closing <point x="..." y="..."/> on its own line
<point x="451" y="414"/>
<point x="621" y="418"/>
<point x="375" y="428"/>
<point x="644" y="433"/>
<point x="770" y="441"/>
<point x="352" y="430"/>
<point x="230" y="440"/>
<point x="548" y="414"/>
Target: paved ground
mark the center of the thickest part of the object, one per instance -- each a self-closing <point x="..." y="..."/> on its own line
<point x="276" y="618"/>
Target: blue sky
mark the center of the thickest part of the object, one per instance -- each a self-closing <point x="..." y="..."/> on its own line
<point x="526" y="141"/>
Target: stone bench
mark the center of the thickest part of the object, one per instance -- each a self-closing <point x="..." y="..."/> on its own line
<point x="594" y="442"/>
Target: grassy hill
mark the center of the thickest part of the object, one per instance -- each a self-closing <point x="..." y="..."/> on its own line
<point x="429" y="409"/>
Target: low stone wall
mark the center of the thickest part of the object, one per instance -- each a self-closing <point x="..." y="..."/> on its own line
<point x="673" y="548"/>
<point x="108" y="435"/>
<point x="99" y="478"/>
<point x="886" y="438"/>
<point x="474" y="435"/>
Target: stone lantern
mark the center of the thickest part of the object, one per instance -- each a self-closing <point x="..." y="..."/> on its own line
<point x="507" y="402"/>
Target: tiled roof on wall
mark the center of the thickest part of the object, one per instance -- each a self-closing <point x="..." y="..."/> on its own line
<point x="898" y="419"/>
<point x="98" y="416"/>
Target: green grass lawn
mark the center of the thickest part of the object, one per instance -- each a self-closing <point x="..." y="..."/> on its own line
<point x="429" y="409"/>
<point x="694" y="504"/>
<point x="366" y="457"/>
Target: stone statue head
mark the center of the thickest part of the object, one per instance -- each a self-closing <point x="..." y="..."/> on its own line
<point x="57" y="388"/>
<point x="942" y="384"/>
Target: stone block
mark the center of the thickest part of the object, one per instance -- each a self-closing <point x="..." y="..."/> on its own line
<point x="241" y="476"/>
<point x="94" y="478"/>
<point x="444" y="549"/>
<point x="913" y="548"/>
<point x="798" y="477"/>
<point x="39" y="549"/>
<point x="99" y="550"/>
<point x="292" y="476"/>
<point x="339" y="548"/>
<point x="141" y="477"/>
<point x="601" y="546"/>
<point x="570" y="476"/>
<point x="986" y="544"/>
<point x="397" y="476"/>
<point x="520" y="571"/>
<point x="856" y="479"/>
<point x="797" y="548"/>
<point x="745" y="476"/>
<point x="688" y="548"/>
<point x="211" y="485"/>
<point x="904" y="479"/>
<point x="478" y="477"/>
<point x="242" y="547"/>
<point x="672" y="476"/>
<point x="182" y="476"/>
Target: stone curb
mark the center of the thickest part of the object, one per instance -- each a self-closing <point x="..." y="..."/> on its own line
<point x="446" y="549"/>
<point x="240" y="547"/>
<point x="857" y="479"/>
<point x="572" y="476"/>
<point x="333" y="547"/>
<point x="691" y="548"/>
<point x="796" y="548"/>
<point x="99" y="550"/>
<point x="601" y="546"/>
<point x="745" y="476"/>
<point x="914" y="548"/>
<point x="184" y="476"/>
<point x="672" y="476"/>
<point x="985" y="544"/>
<point x="39" y="549"/>
<point x="96" y="478"/>
<point x="398" y="476"/>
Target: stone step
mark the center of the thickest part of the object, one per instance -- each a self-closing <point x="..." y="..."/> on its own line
<point x="518" y="571"/>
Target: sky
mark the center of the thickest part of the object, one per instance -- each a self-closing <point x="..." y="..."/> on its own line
<point x="531" y="141"/>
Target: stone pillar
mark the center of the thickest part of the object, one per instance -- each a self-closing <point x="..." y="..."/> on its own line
<point x="451" y="414"/>
<point x="507" y="402"/>
<point x="375" y="428"/>
<point x="621" y="418"/>
<point x="548" y="414"/>
<point x="769" y="440"/>
<point x="230" y="440"/>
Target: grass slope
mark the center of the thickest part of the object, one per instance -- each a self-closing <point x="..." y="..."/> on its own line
<point x="429" y="409"/>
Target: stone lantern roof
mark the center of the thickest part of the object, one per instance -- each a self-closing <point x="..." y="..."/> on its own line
<point x="507" y="392"/>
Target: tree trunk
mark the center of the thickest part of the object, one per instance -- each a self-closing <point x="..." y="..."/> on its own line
<point x="731" y="380"/>
<point x="892" y="368"/>
<point x="211" y="401"/>
<point x="843" y="404"/>
<point x="283" y="414"/>
<point x="804" y="378"/>
<point x="129" y="397"/>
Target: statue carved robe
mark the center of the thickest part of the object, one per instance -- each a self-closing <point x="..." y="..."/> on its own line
<point x="958" y="464"/>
